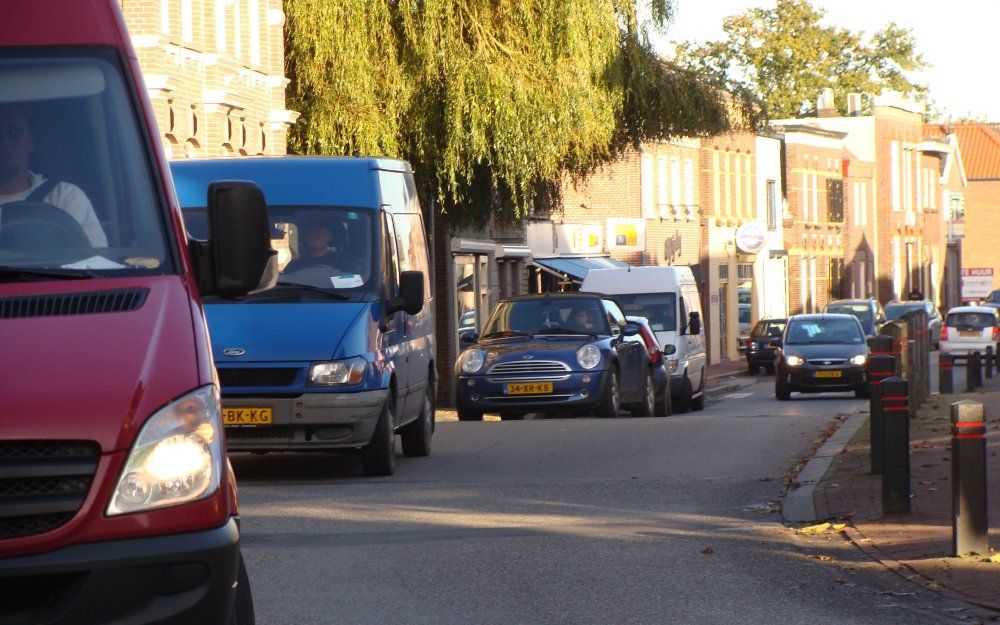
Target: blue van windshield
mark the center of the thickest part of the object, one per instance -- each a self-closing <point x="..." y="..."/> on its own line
<point x="324" y="251"/>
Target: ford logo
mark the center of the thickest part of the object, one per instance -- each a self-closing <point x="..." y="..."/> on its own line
<point x="234" y="351"/>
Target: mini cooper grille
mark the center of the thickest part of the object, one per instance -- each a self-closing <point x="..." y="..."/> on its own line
<point x="257" y="376"/>
<point x="61" y="304"/>
<point x="528" y="367"/>
<point x="43" y="484"/>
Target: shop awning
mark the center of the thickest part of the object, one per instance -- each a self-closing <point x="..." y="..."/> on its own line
<point x="576" y="268"/>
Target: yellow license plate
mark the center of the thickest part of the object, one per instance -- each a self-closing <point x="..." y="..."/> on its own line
<point x="247" y="416"/>
<point x="828" y="374"/>
<point x="970" y="333"/>
<point x="529" y="388"/>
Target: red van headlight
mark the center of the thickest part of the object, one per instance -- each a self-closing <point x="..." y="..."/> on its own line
<point x="177" y="457"/>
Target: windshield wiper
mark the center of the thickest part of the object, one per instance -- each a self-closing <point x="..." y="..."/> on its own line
<point x="503" y="334"/>
<point x="311" y="288"/>
<point x="566" y="331"/>
<point x="24" y="273"/>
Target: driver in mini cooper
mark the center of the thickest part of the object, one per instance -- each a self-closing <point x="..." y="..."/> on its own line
<point x="18" y="184"/>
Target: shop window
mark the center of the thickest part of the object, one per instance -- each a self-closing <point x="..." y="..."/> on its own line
<point x="772" y="205"/>
<point x="835" y="200"/>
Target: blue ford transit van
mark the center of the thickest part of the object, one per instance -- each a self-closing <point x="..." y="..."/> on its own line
<point x="340" y="354"/>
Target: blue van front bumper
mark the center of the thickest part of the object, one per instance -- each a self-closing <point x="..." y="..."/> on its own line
<point x="307" y="421"/>
<point x="574" y="391"/>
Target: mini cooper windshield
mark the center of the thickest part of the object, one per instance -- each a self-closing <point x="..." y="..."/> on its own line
<point x="576" y="315"/>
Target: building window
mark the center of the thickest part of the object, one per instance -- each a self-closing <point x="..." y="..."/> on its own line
<point x="716" y="186"/>
<point x="664" y="186"/>
<point x="897" y="270"/>
<point x="894" y="175"/>
<point x="805" y="196"/>
<point x="748" y="187"/>
<point x="812" y="285"/>
<point x="187" y="20"/>
<point x="804" y="284"/>
<point x="723" y="271"/>
<point x="254" y="9"/>
<point x="689" y="182"/>
<point x="772" y="205"/>
<point x="738" y="183"/>
<point x="165" y="17"/>
<point x="646" y="179"/>
<point x="835" y="200"/>
<point x="836" y="278"/>
<point x="815" y="196"/>
<point x="237" y="29"/>
<point x="220" y="24"/>
<point x="675" y="185"/>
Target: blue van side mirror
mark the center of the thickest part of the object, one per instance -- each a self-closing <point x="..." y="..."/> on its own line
<point x="411" y="293"/>
<point x="630" y="329"/>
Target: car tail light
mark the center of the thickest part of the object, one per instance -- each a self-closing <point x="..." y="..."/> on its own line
<point x="944" y="333"/>
<point x="996" y="333"/>
<point x="651" y="346"/>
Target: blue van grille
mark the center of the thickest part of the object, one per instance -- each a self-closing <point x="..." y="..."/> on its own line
<point x="43" y="484"/>
<point x="257" y="376"/>
<point x="83" y="303"/>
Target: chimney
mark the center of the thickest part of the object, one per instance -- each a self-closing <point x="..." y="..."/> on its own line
<point x="853" y="104"/>
<point x="824" y="104"/>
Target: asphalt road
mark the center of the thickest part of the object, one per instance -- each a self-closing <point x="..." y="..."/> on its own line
<point x="584" y="521"/>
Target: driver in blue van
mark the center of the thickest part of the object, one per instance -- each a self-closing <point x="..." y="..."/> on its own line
<point x="19" y="184"/>
<point x="314" y="247"/>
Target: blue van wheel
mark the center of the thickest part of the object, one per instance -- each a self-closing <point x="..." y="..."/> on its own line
<point x="378" y="457"/>
<point x="416" y="436"/>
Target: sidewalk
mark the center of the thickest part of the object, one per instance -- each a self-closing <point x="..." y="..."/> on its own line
<point x="919" y="542"/>
<point x="727" y="377"/>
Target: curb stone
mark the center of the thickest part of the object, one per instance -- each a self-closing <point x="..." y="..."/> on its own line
<point x="798" y="505"/>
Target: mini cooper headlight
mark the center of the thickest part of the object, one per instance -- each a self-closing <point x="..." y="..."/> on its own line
<point x="859" y="360"/>
<point x="588" y="356"/>
<point x="472" y="360"/>
<point x="794" y="361"/>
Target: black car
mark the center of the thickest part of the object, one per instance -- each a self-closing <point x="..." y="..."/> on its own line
<point x="819" y="354"/>
<point x="868" y="312"/>
<point x="760" y="352"/>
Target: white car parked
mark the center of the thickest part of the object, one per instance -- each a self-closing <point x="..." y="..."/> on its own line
<point x="970" y="329"/>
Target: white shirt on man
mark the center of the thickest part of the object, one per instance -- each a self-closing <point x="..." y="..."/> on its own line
<point x="71" y="199"/>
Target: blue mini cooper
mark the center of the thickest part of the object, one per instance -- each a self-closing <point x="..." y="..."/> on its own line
<point x="555" y="352"/>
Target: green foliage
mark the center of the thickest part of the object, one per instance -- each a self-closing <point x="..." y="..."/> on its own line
<point x="787" y="56"/>
<point x="489" y="99"/>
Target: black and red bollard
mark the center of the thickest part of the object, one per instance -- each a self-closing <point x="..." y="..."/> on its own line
<point x="946" y="369"/>
<point x="896" y="445"/>
<point x="988" y="362"/>
<point x="973" y="371"/>
<point x="969" y="521"/>
<point x="880" y="367"/>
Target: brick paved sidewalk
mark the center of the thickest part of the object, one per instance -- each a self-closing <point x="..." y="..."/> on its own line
<point x="919" y="542"/>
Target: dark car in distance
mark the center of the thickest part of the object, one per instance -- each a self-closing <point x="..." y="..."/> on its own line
<point x="555" y="352"/>
<point x="868" y="312"/>
<point x="820" y="354"/>
<point x="657" y="365"/>
<point x="897" y="309"/>
<point x="760" y="352"/>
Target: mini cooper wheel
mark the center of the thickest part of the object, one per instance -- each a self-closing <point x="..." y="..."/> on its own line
<point x="611" y="402"/>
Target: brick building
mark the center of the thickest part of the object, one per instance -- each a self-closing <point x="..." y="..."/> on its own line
<point x="814" y="225"/>
<point x="215" y="73"/>
<point x="977" y="214"/>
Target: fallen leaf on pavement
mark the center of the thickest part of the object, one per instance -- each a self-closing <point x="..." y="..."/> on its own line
<point x="994" y="558"/>
<point x="708" y="550"/>
<point x="926" y="482"/>
<point x="839" y="527"/>
<point x="813" y="529"/>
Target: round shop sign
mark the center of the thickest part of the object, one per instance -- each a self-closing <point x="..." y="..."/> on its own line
<point x="750" y="237"/>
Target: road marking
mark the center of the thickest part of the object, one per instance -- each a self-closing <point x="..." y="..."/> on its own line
<point x="736" y="395"/>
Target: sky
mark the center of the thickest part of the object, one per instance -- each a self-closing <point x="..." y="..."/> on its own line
<point x="959" y="39"/>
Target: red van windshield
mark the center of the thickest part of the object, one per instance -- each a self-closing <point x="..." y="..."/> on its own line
<point x="76" y="190"/>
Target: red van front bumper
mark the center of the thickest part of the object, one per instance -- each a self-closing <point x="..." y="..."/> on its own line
<point x="180" y="578"/>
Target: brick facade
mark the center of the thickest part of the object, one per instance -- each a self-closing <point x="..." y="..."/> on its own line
<point x="215" y="74"/>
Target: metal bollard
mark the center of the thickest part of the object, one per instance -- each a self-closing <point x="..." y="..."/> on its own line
<point x="880" y="345"/>
<point x="969" y="521"/>
<point x="896" y="433"/>
<point x="973" y="371"/>
<point x="880" y="367"/>
<point x="946" y="368"/>
<point x="988" y="362"/>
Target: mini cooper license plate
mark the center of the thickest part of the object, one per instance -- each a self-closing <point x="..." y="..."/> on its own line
<point x="528" y="388"/>
<point x="247" y="416"/>
<point x="828" y="374"/>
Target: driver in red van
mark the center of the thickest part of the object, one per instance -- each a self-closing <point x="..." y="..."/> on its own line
<point x="19" y="184"/>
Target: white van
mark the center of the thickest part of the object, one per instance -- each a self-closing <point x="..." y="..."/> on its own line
<point x="668" y="298"/>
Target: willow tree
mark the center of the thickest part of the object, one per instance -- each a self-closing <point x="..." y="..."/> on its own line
<point x="489" y="99"/>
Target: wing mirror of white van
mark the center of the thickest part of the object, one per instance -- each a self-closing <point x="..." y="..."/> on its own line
<point x="669" y="350"/>
<point x="694" y="324"/>
<point x="411" y="293"/>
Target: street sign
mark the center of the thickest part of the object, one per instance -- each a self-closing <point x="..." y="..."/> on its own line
<point x="977" y="283"/>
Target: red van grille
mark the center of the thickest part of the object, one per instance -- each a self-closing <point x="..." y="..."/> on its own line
<point x="43" y="484"/>
<point x="60" y="304"/>
<point x="21" y="597"/>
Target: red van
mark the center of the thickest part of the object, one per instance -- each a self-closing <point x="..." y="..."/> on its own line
<point x="117" y="503"/>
